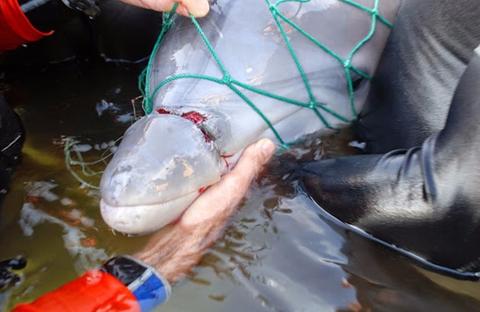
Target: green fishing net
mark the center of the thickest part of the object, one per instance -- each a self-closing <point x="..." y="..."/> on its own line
<point x="319" y="109"/>
<point x="91" y="169"/>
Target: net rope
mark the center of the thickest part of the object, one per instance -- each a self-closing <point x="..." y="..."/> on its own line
<point x="234" y="85"/>
<point x="93" y="169"/>
<point x="73" y="157"/>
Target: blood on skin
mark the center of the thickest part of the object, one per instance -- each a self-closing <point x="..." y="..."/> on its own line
<point x="163" y="111"/>
<point x="197" y="119"/>
<point x="202" y="189"/>
<point x="194" y="117"/>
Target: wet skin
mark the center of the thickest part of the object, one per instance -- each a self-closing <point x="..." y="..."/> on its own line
<point x="276" y="236"/>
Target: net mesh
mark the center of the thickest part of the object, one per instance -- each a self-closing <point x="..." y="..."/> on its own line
<point x="92" y="169"/>
<point x="238" y="87"/>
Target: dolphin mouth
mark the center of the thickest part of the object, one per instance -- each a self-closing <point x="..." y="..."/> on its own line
<point x="144" y="219"/>
<point x="151" y="181"/>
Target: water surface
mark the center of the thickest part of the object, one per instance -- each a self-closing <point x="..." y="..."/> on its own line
<point x="278" y="254"/>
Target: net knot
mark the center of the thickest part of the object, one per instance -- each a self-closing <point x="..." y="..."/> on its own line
<point x="232" y="83"/>
<point x="227" y="79"/>
<point x="273" y="8"/>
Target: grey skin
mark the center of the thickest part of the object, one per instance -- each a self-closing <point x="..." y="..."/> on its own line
<point x="423" y="195"/>
<point x="165" y="160"/>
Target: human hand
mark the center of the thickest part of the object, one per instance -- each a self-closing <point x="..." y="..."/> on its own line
<point x="197" y="8"/>
<point x="174" y="250"/>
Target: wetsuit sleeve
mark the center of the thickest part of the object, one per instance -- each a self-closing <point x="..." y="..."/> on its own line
<point x="15" y="28"/>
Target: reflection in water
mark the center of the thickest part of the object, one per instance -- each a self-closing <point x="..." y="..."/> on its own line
<point x="278" y="254"/>
<point x="78" y="245"/>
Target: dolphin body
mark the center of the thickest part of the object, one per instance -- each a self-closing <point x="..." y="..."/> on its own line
<point x="199" y="128"/>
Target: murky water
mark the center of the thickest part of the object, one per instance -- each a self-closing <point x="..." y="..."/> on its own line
<point x="278" y="254"/>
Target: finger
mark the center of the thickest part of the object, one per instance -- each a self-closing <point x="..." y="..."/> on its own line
<point x="198" y="8"/>
<point x="220" y="200"/>
<point x="156" y="5"/>
<point x="253" y="159"/>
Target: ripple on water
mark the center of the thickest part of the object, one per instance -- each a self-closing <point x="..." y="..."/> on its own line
<point x="277" y="254"/>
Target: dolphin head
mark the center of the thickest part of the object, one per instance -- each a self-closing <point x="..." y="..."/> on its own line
<point x="150" y="180"/>
<point x="164" y="159"/>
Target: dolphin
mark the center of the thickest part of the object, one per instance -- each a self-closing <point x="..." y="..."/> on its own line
<point x="199" y="127"/>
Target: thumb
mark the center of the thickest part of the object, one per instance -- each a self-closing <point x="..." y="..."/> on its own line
<point x="220" y="200"/>
<point x="254" y="158"/>
<point x="235" y="184"/>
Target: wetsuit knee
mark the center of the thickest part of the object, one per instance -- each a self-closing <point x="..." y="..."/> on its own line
<point x="425" y="56"/>
<point x="423" y="199"/>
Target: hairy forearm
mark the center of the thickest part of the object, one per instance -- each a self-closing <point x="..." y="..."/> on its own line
<point x="177" y="248"/>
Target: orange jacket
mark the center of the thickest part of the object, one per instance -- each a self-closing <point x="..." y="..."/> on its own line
<point x="94" y="291"/>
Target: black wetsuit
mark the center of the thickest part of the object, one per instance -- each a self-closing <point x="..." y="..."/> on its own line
<point x="423" y="195"/>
